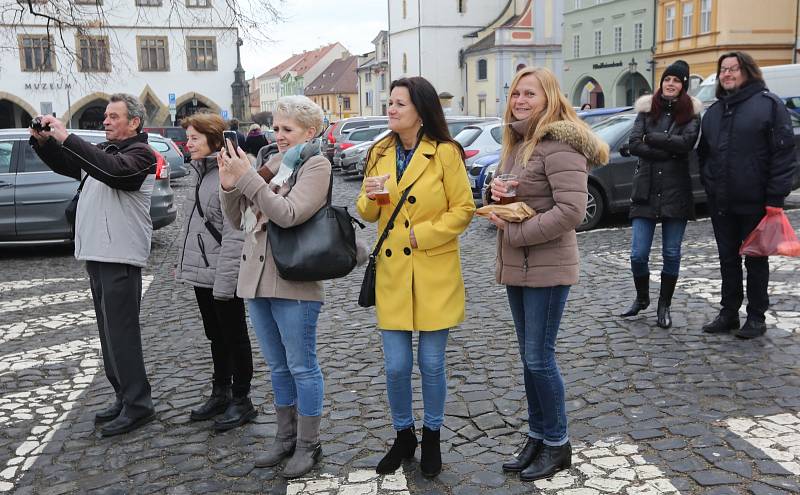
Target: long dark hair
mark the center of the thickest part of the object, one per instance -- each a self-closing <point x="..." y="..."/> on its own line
<point x="683" y="108"/>
<point x="747" y="65"/>
<point x="426" y="102"/>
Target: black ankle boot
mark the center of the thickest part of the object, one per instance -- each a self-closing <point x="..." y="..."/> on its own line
<point x="723" y="323"/>
<point x="239" y="412"/>
<point x="550" y="461"/>
<point x="663" y="318"/>
<point x="642" y="296"/>
<point x="430" y="460"/>
<point x="529" y="452"/>
<point x="403" y="448"/>
<point x="216" y="404"/>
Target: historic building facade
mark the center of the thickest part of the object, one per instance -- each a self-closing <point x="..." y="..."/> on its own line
<point x="373" y="77"/>
<point x="336" y="89"/>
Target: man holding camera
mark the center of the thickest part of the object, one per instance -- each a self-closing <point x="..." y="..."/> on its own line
<point x="112" y="234"/>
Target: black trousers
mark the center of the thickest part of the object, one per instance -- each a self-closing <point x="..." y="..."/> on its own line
<point x="730" y="230"/>
<point x="117" y="295"/>
<point x="226" y="329"/>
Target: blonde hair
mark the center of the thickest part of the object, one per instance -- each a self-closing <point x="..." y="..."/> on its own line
<point x="302" y="110"/>
<point x="557" y="108"/>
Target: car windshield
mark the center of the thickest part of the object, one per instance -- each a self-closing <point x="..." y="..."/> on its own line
<point x="160" y="146"/>
<point x="613" y="128"/>
<point x="176" y="133"/>
<point x="706" y="93"/>
<point x="364" y="134"/>
<point x="468" y="136"/>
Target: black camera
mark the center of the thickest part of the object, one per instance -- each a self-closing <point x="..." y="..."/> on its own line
<point x="36" y="125"/>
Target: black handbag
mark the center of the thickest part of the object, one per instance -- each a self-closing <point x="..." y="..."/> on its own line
<point x="366" y="297"/>
<point x="71" y="211"/>
<point x="640" y="186"/>
<point x="321" y="248"/>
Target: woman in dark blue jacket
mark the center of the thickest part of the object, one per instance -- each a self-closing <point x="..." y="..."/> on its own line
<point x="664" y="133"/>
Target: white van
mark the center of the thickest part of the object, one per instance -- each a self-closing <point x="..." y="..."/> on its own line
<point x="783" y="80"/>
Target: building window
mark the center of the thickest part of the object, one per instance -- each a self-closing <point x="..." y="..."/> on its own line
<point x="405" y="64"/>
<point x="35" y="53"/>
<point x="482" y="69"/>
<point x="346" y="102"/>
<point x="368" y="99"/>
<point x="202" y="53"/>
<point x="88" y="2"/>
<point x="198" y="3"/>
<point x="405" y="9"/>
<point x="669" y="23"/>
<point x="598" y="42"/>
<point x="705" y="16"/>
<point x="153" y="53"/>
<point x="93" y="54"/>
<point x="686" y="19"/>
<point x="576" y="46"/>
<point x="578" y="4"/>
<point x="617" y="39"/>
<point x="383" y="81"/>
<point x="368" y="76"/>
<point x="148" y="3"/>
<point x="462" y="6"/>
<point x="638" y="35"/>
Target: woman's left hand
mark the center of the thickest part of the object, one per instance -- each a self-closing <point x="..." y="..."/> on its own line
<point x="497" y="221"/>
<point x="233" y="164"/>
<point x="412" y="238"/>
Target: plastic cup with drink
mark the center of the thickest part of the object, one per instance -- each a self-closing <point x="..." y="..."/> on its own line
<point x="382" y="195"/>
<point x="509" y="181"/>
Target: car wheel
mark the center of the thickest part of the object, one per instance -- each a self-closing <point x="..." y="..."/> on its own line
<point x="595" y="209"/>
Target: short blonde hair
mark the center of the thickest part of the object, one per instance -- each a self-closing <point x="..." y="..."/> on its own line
<point x="302" y="110"/>
<point x="254" y="127"/>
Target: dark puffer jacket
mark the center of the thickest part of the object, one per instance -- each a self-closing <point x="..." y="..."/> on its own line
<point x="662" y="185"/>
<point x="747" y="153"/>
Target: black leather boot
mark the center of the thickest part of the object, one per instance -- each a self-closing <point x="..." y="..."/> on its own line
<point x="403" y="448"/>
<point x="642" y="296"/>
<point x="529" y="452"/>
<point x="216" y="404"/>
<point x="723" y="323"/>
<point x="751" y="329"/>
<point x="239" y="412"/>
<point x="110" y="413"/>
<point x="430" y="460"/>
<point x="663" y="318"/>
<point x="550" y="461"/>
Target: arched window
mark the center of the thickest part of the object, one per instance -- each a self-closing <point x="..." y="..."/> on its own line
<point x="482" y="69"/>
<point x="405" y="63"/>
<point x="405" y="9"/>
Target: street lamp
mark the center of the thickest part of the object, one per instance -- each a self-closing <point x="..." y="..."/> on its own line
<point x="505" y="92"/>
<point x="339" y="102"/>
<point x="632" y="66"/>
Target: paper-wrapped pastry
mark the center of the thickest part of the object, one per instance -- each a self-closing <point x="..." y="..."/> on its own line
<point x="514" y="212"/>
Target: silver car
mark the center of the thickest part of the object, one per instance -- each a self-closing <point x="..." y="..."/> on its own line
<point x="345" y="147"/>
<point x="480" y="139"/>
<point x="33" y="197"/>
<point x="169" y="150"/>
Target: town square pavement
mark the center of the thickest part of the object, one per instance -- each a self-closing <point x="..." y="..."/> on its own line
<point x="651" y="410"/>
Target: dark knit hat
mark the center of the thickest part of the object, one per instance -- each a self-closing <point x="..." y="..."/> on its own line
<point x="679" y="69"/>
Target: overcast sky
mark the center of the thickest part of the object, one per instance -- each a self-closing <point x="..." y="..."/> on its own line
<point x="310" y="24"/>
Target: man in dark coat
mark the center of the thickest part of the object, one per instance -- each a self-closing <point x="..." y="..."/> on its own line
<point x="747" y="160"/>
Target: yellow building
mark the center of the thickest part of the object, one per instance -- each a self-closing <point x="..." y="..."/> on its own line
<point x="699" y="31"/>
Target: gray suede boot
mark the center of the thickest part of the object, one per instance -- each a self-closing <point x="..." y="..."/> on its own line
<point x="285" y="438"/>
<point x="308" y="449"/>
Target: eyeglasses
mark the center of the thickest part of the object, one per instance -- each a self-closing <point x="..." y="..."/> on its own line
<point x="732" y="70"/>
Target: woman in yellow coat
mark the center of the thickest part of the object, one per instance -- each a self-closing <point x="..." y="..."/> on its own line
<point x="419" y="285"/>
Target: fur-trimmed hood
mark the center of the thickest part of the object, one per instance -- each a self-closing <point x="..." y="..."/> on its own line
<point x="579" y="137"/>
<point x="645" y="103"/>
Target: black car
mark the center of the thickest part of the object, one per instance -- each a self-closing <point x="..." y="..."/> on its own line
<point x="610" y="185"/>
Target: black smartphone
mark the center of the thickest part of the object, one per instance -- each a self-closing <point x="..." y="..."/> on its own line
<point x="231" y="136"/>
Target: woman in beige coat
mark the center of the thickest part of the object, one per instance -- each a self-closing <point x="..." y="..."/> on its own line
<point x="547" y="148"/>
<point x="283" y="313"/>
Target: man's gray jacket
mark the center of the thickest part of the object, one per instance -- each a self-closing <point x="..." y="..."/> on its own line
<point x="113" y="222"/>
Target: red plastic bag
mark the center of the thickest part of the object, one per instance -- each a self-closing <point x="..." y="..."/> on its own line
<point x="773" y="235"/>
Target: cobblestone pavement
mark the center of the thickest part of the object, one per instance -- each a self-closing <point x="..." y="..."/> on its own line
<point x="651" y="410"/>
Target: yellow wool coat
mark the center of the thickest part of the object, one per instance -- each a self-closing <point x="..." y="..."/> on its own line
<point x="420" y="289"/>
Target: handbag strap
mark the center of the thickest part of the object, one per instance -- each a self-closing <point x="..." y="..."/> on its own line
<point x="209" y="226"/>
<point x="83" y="181"/>
<point x="385" y="232"/>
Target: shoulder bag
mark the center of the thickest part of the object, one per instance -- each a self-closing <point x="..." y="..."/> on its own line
<point x="71" y="210"/>
<point x="366" y="298"/>
<point x="216" y="234"/>
<point x="321" y="248"/>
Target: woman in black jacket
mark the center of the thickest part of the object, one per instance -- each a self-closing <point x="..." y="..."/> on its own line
<point x="664" y="133"/>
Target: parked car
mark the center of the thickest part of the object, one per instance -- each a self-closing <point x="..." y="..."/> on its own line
<point x="335" y="130"/>
<point x="33" y="197"/>
<point x="177" y="134"/>
<point x="352" y="138"/>
<point x="456" y="123"/>
<point x="477" y="174"/>
<point x="354" y="159"/>
<point x="596" y="115"/>
<point x="171" y="152"/>
<point x="478" y="140"/>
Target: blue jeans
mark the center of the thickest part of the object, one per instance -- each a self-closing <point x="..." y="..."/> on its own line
<point x="398" y="357"/>
<point x="672" y="230"/>
<point x="537" y="315"/>
<point x="287" y="334"/>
